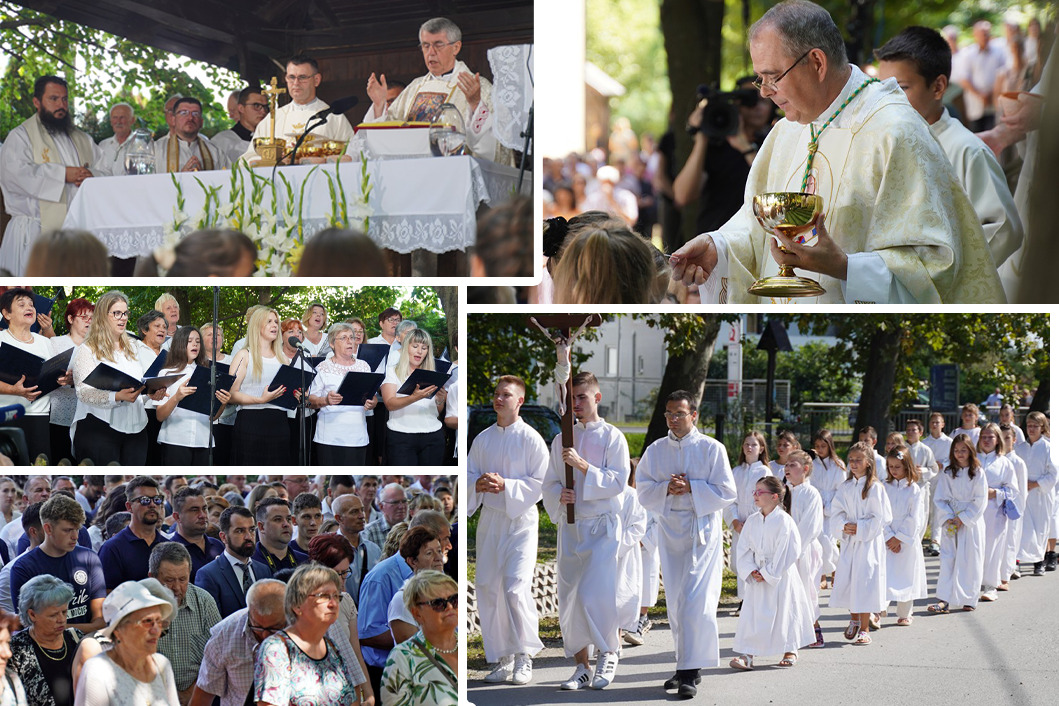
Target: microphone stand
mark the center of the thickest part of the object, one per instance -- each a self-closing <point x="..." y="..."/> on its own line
<point x="303" y="450"/>
<point x="528" y="138"/>
<point x="213" y="370"/>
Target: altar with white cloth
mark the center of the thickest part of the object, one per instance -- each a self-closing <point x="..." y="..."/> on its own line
<point x="419" y="203"/>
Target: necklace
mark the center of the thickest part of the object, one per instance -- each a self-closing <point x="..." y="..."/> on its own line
<point x="441" y="651"/>
<point x="21" y="340"/>
<point x="50" y="652"/>
<point x="814" y="142"/>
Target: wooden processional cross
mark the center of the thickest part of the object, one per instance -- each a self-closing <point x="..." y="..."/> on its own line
<point x="563" y="323"/>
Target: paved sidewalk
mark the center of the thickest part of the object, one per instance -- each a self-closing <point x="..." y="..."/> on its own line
<point x="1006" y="652"/>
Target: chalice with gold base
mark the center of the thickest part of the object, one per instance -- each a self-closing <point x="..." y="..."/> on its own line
<point x="791" y="213"/>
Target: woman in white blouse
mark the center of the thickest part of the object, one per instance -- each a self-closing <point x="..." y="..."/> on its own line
<point x="109" y="426"/>
<point x="64" y="400"/>
<point x="341" y="433"/>
<point x="185" y="435"/>
<point x="414" y="437"/>
<point x="16" y="306"/>
<point x="152" y="328"/>
<point x="314" y="321"/>
<point x="222" y="427"/>
<point x="261" y="435"/>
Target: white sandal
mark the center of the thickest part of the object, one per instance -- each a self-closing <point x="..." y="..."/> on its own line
<point x="743" y="663"/>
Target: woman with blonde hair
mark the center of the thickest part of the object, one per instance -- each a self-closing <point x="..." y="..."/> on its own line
<point x="109" y="426"/>
<point x="415" y="435"/>
<point x="261" y="435"/>
<point x="314" y="323"/>
<point x="609" y="265"/>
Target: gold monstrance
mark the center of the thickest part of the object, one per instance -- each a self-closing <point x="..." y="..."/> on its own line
<point x="270" y="149"/>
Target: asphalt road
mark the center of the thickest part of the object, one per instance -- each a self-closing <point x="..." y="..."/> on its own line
<point x="1006" y="652"/>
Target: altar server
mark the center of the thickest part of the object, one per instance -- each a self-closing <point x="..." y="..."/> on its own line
<point x="858" y="144"/>
<point x="1040" y="492"/>
<point x="630" y="564"/>
<point x="968" y="423"/>
<point x="506" y="467"/>
<point x="925" y="463"/>
<point x="906" y="573"/>
<point x="829" y="472"/>
<point x="684" y="479"/>
<point x="777" y="616"/>
<point x="1010" y="567"/>
<point x="939" y="443"/>
<point x="1000" y="477"/>
<point x="960" y="500"/>
<point x="807" y="510"/>
<point x="753" y="466"/>
<point x="588" y="548"/>
<point x="44" y="161"/>
<point x="859" y="513"/>
<point x="786" y="442"/>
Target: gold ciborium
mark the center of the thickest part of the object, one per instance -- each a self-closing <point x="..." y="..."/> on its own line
<point x="790" y="213"/>
<point x="269" y="149"/>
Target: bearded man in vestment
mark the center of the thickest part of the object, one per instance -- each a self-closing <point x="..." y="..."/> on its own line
<point x="447" y="81"/>
<point x="43" y="162"/>
<point x="903" y="229"/>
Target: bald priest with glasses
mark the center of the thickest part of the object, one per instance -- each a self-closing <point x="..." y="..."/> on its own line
<point x="896" y="225"/>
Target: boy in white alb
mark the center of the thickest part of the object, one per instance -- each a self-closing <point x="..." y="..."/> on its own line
<point x="589" y="547"/>
<point x="506" y="467"/>
<point x="939" y="444"/>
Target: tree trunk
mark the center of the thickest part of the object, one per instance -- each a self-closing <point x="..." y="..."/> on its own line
<point x="683" y="372"/>
<point x="450" y="304"/>
<point x="692" y="32"/>
<point x="1042" y="395"/>
<point x="878" y="390"/>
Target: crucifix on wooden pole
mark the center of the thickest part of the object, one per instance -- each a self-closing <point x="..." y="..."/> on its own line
<point x="563" y="341"/>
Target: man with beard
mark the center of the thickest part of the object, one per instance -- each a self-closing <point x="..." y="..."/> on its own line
<point x="192" y="519"/>
<point x="274" y="530"/>
<point x="184" y="149"/>
<point x="125" y="555"/>
<point x="43" y="162"/>
<point x="228" y="577"/>
<point x="349" y="512"/>
<point x="196" y="614"/>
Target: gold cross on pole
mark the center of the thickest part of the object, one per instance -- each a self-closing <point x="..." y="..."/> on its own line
<point x="273" y="94"/>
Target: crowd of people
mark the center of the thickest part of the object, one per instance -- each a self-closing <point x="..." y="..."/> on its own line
<point x="46" y="159"/>
<point x="980" y="103"/>
<point x="325" y="589"/>
<point x="800" y="521"/>
<point x="255" y="421"/>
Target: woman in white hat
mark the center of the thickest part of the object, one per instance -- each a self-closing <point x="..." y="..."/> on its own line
<point x="131" y="673"/>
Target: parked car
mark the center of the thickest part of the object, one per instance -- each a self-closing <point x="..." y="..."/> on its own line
<point x="543" y="419"/>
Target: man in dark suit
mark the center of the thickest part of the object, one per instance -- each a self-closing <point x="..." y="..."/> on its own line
<point x="228" y="577"/>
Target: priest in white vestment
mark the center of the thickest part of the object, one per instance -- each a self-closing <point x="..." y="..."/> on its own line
<point x="114" y="148"/>
<point x="448" y="80"/>
<point x="184" y="149"/>
<point x="303" y="78"/>
<point x="896" y="225"/>
<point x="506" y="467"/>
<point x="250" y="109"/>
<point x="588" y="548"/>
<point x="44" y="161"/>
<point x="685" y="481"/>
<point x="919" y="60"/>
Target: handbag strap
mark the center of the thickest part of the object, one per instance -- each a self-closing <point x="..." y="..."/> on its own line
<point x="433" y="660"/>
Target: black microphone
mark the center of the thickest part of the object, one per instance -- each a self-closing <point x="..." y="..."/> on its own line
<point x="293" y="342"/>
<point x="337" y="108"/>
<point x="11" y="412"/>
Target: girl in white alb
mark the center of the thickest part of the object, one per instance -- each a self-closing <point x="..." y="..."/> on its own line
<point x="786" y="442"/>
<point x="859" y="513"/>
<point x="960" y="501"/>
<point x="776" y="615"/>
<point x="805" y="506"/>
<point x="829" y="472"/>
<point x="753" y="457"/>
<point x="1000" y="477"/>
<point x="1010" y="567"/>
<point x="906" y="573"/>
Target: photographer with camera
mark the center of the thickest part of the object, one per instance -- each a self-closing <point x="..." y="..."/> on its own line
<point x="728" y="129"/>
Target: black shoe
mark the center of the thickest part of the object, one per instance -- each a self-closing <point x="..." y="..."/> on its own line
<point x="1038" y="568"/>
<point x="672" y="683"/>
<point x="1051" y="560"/>
<point x="687" y="688"/>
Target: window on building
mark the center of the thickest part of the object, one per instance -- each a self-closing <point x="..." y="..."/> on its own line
<point x="612" y="360"/>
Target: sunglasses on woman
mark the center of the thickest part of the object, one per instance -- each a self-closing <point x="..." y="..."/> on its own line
<point x="439" y="604"/>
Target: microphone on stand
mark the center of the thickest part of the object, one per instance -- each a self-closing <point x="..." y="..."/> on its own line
<point x="293" y="342"/>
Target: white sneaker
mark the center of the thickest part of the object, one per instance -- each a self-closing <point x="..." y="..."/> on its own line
<point x="579" y="680"/>
<point x="523" y="669"/>
<point x="606" y="664"/>
<point x="502" y="672"/>
<point x="989" y="594"/>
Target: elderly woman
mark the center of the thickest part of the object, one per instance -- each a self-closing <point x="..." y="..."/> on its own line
<point x="109" y="426"/>
<point x="415" y="437"/>
<point x="131" y="672"/>
<point x="11" y="691"/>
<point x="152" y="328"/>
<point x="300" y="665"/>
<point x="342" y="431"/>
<point x="421" y="550"/>
<point x="43" y="654"/>
<point x="335" y="552"/>
<point x="421" y="671"/>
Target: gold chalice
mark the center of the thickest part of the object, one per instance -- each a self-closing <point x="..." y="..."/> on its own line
<point x="791" y="213"/>
<point x="270" y="150"/>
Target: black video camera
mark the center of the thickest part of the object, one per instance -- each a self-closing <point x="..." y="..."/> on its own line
<point x="720" y="118"/>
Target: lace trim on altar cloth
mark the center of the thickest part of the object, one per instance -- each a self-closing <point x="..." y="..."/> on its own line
<point x="512" y="92"/>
